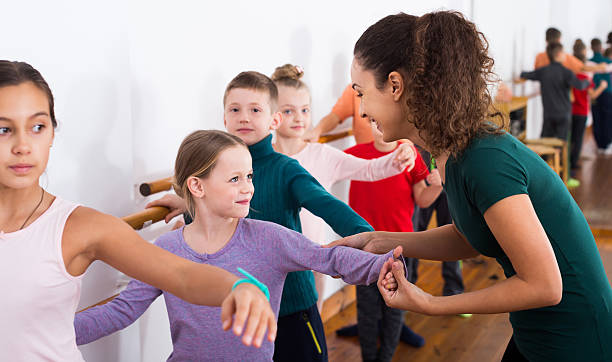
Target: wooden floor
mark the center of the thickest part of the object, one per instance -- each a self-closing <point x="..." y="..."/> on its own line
<point x="484" y="337"/>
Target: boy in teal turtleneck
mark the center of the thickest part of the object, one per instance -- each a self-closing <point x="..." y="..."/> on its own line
<point x="282" y="187"/>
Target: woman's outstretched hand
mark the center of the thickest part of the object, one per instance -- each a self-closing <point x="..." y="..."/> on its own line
<point x="363" y="241"/>
<point x="247" y="304"/>
<point x="399" y="292"/>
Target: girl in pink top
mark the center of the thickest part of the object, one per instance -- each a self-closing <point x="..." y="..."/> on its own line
<point x="47" y="244"/>
<point x="325" y="163"/>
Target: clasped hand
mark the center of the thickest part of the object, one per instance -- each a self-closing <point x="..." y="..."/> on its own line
<point x="398" y="292"/>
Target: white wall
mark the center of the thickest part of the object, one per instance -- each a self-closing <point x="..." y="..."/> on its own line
<point x="516" y="33"/>
<point x="131" y="79"/>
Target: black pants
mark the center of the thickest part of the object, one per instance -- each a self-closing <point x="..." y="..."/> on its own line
<point x="557" y="127"/>
<point x="602" y="120"/>
<point x="578" y="125"/>
<point x="371" y="308"/>
<point x="451" y="270"/>
<point x="300" y="337"/>
<point x="512" y="354"/>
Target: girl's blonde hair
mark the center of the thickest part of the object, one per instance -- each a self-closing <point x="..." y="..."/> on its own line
<point x="289" y="75"/>
<point x="197" y="156"/>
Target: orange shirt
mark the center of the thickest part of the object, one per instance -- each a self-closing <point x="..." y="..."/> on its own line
<point x="348" y="106"/>
<point x="571" y="62"/>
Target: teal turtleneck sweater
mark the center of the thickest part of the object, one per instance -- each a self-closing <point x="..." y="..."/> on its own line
<point x="282" y="187"/>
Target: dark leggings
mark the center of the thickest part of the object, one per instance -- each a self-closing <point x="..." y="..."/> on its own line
<point x="371" y="308"/>
<point x="578" y="124"/>
<point x="512" y="353"/>
<point x="300" y="337"/>
<point x="556" y="127"/>
<point x="602" y="117"/>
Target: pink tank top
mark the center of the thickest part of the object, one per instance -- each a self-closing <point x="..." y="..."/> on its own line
<point x="38" y="296"/>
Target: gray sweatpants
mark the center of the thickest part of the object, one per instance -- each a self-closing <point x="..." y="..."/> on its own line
<point x="371" y="308"/>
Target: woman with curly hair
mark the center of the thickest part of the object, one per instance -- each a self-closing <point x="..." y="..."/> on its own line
<point x="425" y="78"/>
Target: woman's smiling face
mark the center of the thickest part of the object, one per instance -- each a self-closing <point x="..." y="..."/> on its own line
<point x="382" y="106"/>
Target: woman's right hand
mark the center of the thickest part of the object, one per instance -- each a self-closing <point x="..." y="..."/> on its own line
<point x="400" y="293"/>
<point x="248" y="304"/>
<point x="172" y="202"/>
<point x="365" y="241"/>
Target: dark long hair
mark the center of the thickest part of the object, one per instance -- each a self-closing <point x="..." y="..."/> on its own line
<point x="579" y="49"/>
<point x="15" y="73"/>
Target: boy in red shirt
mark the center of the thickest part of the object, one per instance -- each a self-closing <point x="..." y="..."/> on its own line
<point x="387" y="205"/>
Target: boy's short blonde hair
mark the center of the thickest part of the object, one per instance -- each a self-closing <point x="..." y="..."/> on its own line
<point x="255" y="81"/>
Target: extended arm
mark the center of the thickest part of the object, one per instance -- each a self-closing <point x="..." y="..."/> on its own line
<point x="308" y="193"/>
<point x="594" y="93"/>
<point x="100" y="321"/>
<point x="577" y="83"/>
<point x="533" y="75"/>
<point x="294" y="252"/>
<point x="537" y="282"/>
<point x="444" y="243"/>
<point x="91" y="235"/>
<point x="325" y="125"/>
<point x="425" y="195"/>
<point x="348" y="167"/>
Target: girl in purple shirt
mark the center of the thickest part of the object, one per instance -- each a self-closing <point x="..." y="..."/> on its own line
<point x="213" y="173"/>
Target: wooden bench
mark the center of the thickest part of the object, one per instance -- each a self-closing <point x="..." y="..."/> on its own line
<point x="560" y="146"/>
<point x="550" y="154"/>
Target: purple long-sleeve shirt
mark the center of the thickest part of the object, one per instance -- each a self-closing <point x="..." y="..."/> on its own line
<point x="264" y="249"/>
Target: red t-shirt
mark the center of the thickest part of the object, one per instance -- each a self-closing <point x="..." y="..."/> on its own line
<point x="580" y="106"/>
<point x="387" y="204"/>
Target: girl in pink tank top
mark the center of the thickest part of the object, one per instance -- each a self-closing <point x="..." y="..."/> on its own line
<point x="46" y="243"/>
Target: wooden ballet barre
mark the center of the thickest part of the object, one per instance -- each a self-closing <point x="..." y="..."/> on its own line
<point x="99" y="303"/>
<point x="146" y="217"/>
<point x="165" y="184"/>
<point x="335" y="136"/>
<point x="157" y="213"/>
<point x="149" y="188"/>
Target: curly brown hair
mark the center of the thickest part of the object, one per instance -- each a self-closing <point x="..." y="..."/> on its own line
<point x="444" y="61"/>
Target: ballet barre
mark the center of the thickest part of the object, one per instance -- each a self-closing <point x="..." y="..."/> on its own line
<point x="335" y="136"/>
<point x="99" y="303"/>
<point x="165" y="184"/>
<point x="146" y="217"/>
<point x="149" y="188"/>
<point x="152" y="215"/>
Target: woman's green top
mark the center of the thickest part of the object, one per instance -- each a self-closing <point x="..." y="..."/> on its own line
<point x="494" y="167"/>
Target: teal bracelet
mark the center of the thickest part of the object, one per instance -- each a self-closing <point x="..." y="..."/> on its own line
<point x="251" y="279"/>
